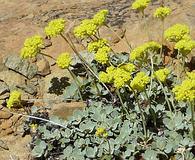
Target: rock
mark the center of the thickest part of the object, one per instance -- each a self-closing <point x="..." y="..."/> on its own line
<point x="15" y="119"/>
<point x="3" y="145"/>
<point x="4" y="96"/>
<point x="29" y="88"/>
<point x="3" y="88"/>
<point x="5" y="114"/>
<point x="23" y="67"/>
<point x="43" y="67"/>
<point x="6" y="124"/>
<point x="6" y="132"/>
<point x="12" y="78"/>
<point x="64" y="110"/>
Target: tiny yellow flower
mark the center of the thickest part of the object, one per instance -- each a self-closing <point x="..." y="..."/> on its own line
<point x="141" y="52"/>
<point x="140" y="5"/>
<point x="100" y="17"/>
<point x="95" y="45"/>
<point x="185" y="46"/>
<point x="32" y="47"/>
<point x="176" y="32"/>
<point x="101" y="132"/>
<point x="162" y="74"/>
<point x="85" y="29"/>
<point x="102" y="55"/>
<point x="121" y="77"/>
<point x="162" y="12"/>
<point x="55" y="27"/>
<point x="140" y="81"/>
<point x="14" y="99"/>
<point x="63" y="61"/>
<point x="129" y="67"/>
<point x="104" y="77"/>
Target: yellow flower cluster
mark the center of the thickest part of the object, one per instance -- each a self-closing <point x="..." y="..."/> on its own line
<point x="140" y="81"/>
<point x="32" y="47"/>
<point x="141" y="53"/>
<point x="88" y="27"/>
<point x="140" y="5"/>
<point x="63" y="61"/>
<point x="185" y="46"/>
<point x="176" y="32"/>
<point x="162" y="12"/>
<point x="186" y="90"/>
<point x="191" y="75"/>
<point x="14" y="99"/>
<point x="95" y="45"/>
<point x="102" y="55"/>
<point x="119" y="76"/>
<point x="100" y="18"/>
<point x="162" y="74"/>
<point x="55" y="27"/>
<point x="107" y="77"/>
<point x="85" y="29"/>
<point x="101" y="133"/>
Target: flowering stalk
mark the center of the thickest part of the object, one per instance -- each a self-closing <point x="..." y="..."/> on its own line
<point x="123" y="106"/>
<point x="192" y="119"/>
<point x="153" y="115"/>
<point x="77" y="82"/>
<point x="141" y="112"/>
<point x="145" y="24"/>
<point x="152" y="72"/>
<point x="166" y="97"/>
<point x="86" y="65"/>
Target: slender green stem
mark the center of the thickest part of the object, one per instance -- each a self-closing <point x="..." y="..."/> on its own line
<point x="125" y="41"/>
<point x="152" y="72"/>
<point x="77" y="82"/>
<point x="166" y="98"/>
<point x="120" y="98"/>
<point x="162" y="38"/>
<point x="145" y="25"/>
<point x="38" y="118"/>
<point x="141" y="112"/>
<point x="153" y="116"/>
<point x="47" y="56"/>
<point x="192" y="120"/>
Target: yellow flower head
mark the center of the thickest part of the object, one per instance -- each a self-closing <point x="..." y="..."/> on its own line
<point x="190" y="75"/>
<point x="95" y="45"/>
<point x="101" y="133"/>
<point x="14" y="99"/>
<point x="85" y="29"/>
<point x="63" y="61"/>
<point x="104" y="77"/>
<point x="140" y="81"/>
<point x="185" y="46"/>
<point x="121" y="77"/>
<point x="140" y="5"/>
<point x="100" y="18"/>
<point x="141" y="53"/>
<point x="107" y="77"/>
<point x="55" y="27"/>
<point x="185" y="91"/>
<point x="162" y="12"/>
<point x="176" y="32"/>
<point x="162" y="74"/>
<point x="102" y="55"/>
<point x="32" y="47"/>
<point x="129" y="67"/>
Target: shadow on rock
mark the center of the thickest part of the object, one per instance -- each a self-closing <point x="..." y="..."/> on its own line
<point x="58" y="85"/>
